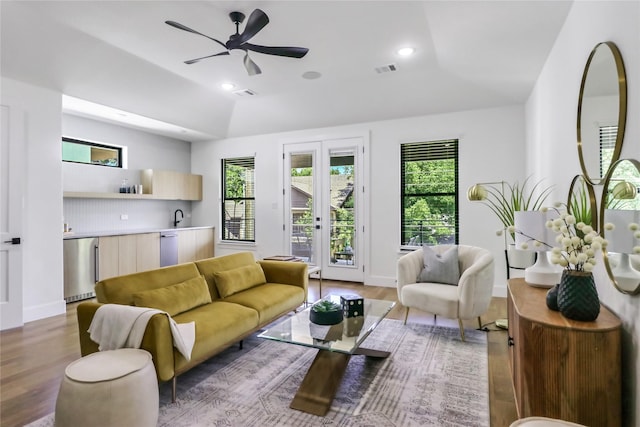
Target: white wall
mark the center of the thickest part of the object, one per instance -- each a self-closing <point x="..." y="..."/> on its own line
<point x="491" y="146"/>
<point x="144" y="151"/>
<point x="551" y="139"/>
<point x="42" y="233"/>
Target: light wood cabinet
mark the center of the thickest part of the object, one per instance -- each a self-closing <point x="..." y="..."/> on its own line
<point x="563" y="368"/>
<point x="195" y="244"/>
<point x="126" y="254"/>
<point x="108" y="257"/>
<point x="147" y="251"/>
<point x="171" y="185"/>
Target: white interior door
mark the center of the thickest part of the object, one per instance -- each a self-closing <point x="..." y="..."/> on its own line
<point x="324" y="199"/>
<point x="11" y="199"/>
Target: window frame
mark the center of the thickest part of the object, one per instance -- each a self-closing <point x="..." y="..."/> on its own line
<point x="227" y="235"/>
<point x="119" y="149"/>
<point x="425" y="151"/>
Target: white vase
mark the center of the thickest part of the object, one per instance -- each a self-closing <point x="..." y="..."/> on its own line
<point x="520" y="259"/>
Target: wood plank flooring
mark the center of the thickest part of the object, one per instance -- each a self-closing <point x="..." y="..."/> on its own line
<point x="33" y="357"/>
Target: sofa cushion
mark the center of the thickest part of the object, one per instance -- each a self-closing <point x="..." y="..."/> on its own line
<point x="239" y="279"/>
<point x="270" y="300"/>
<point x="207" y="267"/>
<point x="175" y="299"/>
<point x="120" y="289"/>
<point x="440" y="268"/>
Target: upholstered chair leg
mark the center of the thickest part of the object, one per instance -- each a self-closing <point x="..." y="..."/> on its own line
<point x="479" y="323"/>
<point x="461" y="329"/>
<point x="434" y="318"/>
<point x="241" y="343"/>
<point x="406" y="316"/>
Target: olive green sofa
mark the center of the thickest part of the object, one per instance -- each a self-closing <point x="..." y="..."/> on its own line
<point x="243" y="296"/>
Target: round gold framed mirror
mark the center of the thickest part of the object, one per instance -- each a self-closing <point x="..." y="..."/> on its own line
<point x="602" y="111"/>
<point x="619" y="208"/>
<point x="581" y="202"/>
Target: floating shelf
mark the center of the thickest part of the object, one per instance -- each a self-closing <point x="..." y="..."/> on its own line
<point x="95" y="195"/>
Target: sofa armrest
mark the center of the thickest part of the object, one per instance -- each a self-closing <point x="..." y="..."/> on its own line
<point x="286" y="272"/>
<point x="408" y="267"/>
<point x="157" y="339"/>
<point x="85" y="313"/>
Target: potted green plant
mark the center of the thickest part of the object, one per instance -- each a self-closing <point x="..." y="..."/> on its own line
<point x="504" y="200"/>
<point x="325" y="312"/>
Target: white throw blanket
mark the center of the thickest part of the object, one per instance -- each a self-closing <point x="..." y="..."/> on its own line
<point x="122" y="326"/>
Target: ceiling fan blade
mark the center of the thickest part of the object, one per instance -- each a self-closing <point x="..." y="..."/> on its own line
<point x="257" y="20"/>
<point x="193" y="61"/>
<point x="184" y="28"/>
<point x="290" y="51"/>
<point x="252" y="67"/>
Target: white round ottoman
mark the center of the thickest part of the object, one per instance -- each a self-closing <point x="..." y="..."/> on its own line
<point x="543" y="422"/>
<point x="109" y="388"/>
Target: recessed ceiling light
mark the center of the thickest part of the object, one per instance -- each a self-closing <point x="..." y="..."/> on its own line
<point x="311" y="75"/>
<point x="227" y="86"/>
<point x="406" y="51"/>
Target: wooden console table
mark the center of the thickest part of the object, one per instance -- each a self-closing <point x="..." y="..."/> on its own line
<point x="563" y="368"/>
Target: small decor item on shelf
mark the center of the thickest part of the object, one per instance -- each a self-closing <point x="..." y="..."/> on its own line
<point x="325" y="312"/>
<point x="578" y="296"/>
<point x="352" y="305"/>
<point x="552" y="298"/>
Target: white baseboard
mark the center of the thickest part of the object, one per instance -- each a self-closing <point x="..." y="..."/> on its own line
<point x="383" y="281"/>
<point x="36" y="312"/>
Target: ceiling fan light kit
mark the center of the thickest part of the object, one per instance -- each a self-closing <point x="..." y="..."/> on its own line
<point x="240" y="41"/>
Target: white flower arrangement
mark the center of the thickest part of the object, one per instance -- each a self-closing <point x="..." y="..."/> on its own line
<point x="578" y="242"/>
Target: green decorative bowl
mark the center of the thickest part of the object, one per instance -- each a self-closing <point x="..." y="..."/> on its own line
<point x="325" y="313"/>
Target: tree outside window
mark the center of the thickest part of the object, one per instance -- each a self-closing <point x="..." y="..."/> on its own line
<point x="429" y="193"/>
<point x="238" y="199"/>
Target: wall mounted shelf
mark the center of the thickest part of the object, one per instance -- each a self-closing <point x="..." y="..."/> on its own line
<point x="96" y="195"/>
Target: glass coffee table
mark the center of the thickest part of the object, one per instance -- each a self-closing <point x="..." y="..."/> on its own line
<point x="336" y="344"/>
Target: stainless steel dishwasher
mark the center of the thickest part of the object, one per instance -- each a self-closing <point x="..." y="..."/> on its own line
<point x="80" y="258"/>
<point x="168" y="248"/>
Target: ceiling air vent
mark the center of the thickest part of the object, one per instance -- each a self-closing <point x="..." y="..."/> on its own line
<point x="386" y="68"/>
<point x="244" y="92"/>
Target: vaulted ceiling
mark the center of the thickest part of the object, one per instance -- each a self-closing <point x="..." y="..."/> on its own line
<point x="121" y="54"/>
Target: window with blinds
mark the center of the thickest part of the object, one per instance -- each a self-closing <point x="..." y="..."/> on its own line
<point x="429" y="193"/>
<point x="238" y="199"/>
<point x="608" y="135"/>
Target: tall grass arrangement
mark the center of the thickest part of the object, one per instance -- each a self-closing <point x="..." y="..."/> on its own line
<point x="509" y="198"/>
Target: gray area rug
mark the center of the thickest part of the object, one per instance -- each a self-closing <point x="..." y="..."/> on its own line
<point x="431" y="379"/>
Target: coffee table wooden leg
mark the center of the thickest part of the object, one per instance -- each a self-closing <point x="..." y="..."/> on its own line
<point x="321" y="383"/>
<point x="369" y="352"/>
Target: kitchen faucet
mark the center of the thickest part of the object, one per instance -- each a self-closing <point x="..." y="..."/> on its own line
<point x="175" y="217"/>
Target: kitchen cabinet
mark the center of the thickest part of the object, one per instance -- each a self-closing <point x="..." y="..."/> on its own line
<point x="126" y="254"/>
<point x="563" y="368"/>
<point x="108" y="254"/>
<point x="195" y="244"/>
<point x="171" y="185"/>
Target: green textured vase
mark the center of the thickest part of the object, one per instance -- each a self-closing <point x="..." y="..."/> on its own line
<point x="578" y="296"/>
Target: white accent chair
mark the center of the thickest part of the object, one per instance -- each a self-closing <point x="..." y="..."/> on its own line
<point x="472" y="296"/>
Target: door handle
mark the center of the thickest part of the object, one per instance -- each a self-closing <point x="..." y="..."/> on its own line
<point x="96" y="263"/>
<point x="13" y="241"/>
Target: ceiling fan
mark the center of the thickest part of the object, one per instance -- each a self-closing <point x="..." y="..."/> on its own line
<point x="257" y="21"/>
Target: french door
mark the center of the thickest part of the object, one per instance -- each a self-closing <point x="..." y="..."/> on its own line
<point x="11" y="198"/>
<point x="324" y="204"/>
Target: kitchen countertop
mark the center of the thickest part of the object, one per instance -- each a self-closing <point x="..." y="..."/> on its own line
<point x="88" y="234"/>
